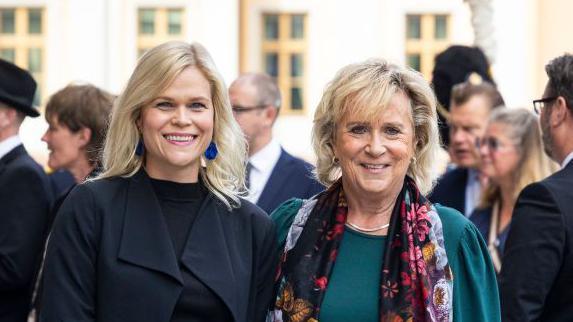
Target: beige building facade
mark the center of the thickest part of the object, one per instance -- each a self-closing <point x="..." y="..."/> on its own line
<point x="301" y="43"/>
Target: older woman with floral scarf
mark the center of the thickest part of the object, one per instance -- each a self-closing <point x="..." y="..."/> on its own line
<point x="372" y="247"/>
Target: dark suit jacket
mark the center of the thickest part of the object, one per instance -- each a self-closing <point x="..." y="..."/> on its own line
<point x="537" y="273"/>
<point x="110" y="256"/>
<point x="451" y="190"/>
<point x="61" y="181"/>
<point x="291" y="178"/>
<point x="25" y="200"/>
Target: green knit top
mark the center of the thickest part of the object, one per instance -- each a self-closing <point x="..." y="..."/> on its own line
<point x="354" y="287"/>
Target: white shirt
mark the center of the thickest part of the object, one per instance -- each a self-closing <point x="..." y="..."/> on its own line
<point x="263" y="162"/>
<point x="9" y="144"/>
<point x="568" y="158"/>
<point x="473" y="191"/>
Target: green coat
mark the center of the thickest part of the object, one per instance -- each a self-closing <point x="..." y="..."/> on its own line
<point x="476" y="295"/>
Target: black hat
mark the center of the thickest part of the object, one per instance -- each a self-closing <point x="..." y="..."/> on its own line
<point x="454" y="66"/>
<point x="17" y="88"/>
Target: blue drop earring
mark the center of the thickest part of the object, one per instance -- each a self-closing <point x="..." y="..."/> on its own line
<point x="211" y="152"/>
<point x="139" y="148"/>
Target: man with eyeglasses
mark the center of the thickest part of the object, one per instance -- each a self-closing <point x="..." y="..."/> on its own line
<point x="536" y="280"/>
<point x="273" y="175"/>
<point x="470" y="106"/>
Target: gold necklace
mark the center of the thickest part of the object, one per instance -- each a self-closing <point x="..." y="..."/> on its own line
<point x="366" y="230"/>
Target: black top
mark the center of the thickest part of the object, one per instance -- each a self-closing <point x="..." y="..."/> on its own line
<point x="450" y="190"/>
<point x="180" y="204"/>
<point x="110" y="257"/>
<point x="481" y="217"/>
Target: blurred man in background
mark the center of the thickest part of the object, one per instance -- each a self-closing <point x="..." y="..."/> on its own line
<point x="471" y="104"/>
<point x="273" y="175"/>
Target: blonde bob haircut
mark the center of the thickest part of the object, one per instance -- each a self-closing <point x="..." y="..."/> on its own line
<point x="364" y="90"/>
<point x="155" y="71"/>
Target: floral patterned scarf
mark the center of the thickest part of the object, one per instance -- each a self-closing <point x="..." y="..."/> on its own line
<point x="416" y="278"/>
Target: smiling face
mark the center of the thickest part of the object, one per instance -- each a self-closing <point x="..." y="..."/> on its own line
<point x="177" y="127"/>
<point x="500" y="157"/>
<point x="374" y="155"/>
<point x="66" y="147"/>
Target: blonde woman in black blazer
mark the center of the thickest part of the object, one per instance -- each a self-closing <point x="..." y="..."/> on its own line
<point x="162" y="234"/>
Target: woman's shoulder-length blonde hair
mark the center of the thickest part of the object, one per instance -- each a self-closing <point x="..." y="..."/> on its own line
<point x="365" y="89"/>
<point x="155" y="71"/>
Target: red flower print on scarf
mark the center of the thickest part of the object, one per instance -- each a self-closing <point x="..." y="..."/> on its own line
<point x="421" y="225"/>
<point x="417" y="260"/>
<point x="333" y="255"/>
<point x="406" y="280"/>
<point x="336" y="231"/>
<point x="321" y="283"/>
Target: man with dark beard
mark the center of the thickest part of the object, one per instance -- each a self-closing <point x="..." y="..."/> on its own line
<point x="537" y="272"/>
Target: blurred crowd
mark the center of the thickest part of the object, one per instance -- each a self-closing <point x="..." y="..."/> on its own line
<point x="174" y="202"/>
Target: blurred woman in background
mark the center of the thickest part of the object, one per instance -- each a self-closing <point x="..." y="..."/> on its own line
<point x="77" y="116"/>
<point x="512" y="157"/>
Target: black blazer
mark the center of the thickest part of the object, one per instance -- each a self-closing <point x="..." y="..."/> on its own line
<point x="291" y="178"/>
<point x="25" y="200"/>
<point x="110" y="256"/>
<point x="450" y="190"/>
<point x="537" y="273"/>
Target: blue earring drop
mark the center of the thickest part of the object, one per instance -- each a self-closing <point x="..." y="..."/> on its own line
<point x="139" y="148"/>
<point x="211" y="152"/>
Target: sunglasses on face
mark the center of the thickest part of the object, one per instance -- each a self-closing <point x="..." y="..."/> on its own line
<point x="492" y="143"/>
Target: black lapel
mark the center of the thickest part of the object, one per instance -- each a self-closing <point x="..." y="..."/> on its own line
<point x="145" y="239"/>
<point x="275" y="182"/>
<point x="207" y="254"/>
<point x="11" y="156"/>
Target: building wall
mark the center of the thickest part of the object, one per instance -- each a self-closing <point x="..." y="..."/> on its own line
<point x="554" y="37"/>
<point x="341" y="32"/>
<point x="516" y="53"/>
<point x="96" y="41"/>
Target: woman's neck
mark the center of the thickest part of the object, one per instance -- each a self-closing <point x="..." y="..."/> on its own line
<point x="81" y="169"/>
<point x="369" y="211"/>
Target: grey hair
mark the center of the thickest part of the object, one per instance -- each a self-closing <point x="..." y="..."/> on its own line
<point x="268" y="92"/>
<point x="560" y="72"/>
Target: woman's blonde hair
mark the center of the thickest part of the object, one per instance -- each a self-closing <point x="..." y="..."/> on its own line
<point x="523" y="129"/>
<point x="155" y="71"/>
<point x="365" y="89"/>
